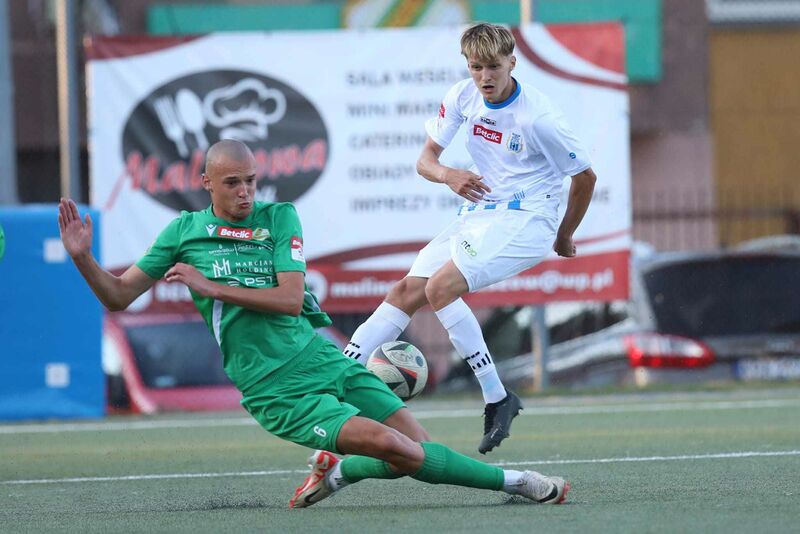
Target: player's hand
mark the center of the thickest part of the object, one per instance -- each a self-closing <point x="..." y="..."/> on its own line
<point x="187" y="274"/>
<point x="564" y="246"/>
<point x="466" y="184"/>
<point x="75" y="235"/>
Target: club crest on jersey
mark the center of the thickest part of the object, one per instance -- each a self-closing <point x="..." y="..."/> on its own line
<point x="245" y="234"/>
<point x="514" y="143"/>
<point x="486" y="133"/>
<point x="261" y="234"/>
<point x="297" y="249"/>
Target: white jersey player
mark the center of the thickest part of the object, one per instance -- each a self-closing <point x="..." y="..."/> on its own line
<point x="522" y="149"/>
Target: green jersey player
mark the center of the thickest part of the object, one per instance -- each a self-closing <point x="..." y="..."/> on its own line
<point x="243" y="263"/>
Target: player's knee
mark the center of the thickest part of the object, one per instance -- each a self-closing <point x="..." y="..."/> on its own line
<point x="437" y="293"/>
<point x="397" y="292"/>
<point x="389" y="442"/>
<point x="408" y="295"/>
<point x="403" y="455"/>
<point x="397" y="449"/>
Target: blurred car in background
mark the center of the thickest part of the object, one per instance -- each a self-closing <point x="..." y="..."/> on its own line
<point x="168" y="362"/>
<point x="691" y="317"/>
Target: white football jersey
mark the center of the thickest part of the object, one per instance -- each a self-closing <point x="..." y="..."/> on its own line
<point x="522" y="147"/>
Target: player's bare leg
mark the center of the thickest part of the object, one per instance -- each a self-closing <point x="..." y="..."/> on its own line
<point x="408" y="294"/>
<point x="389" y="320"/>
<point x="443" y="291"/>
<point x="406" y="424"/>
<point x="360" y="436"/>
<point x="384" y="453"/>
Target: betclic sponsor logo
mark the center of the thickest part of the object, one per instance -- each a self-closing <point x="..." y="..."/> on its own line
<point x="297" y="249"/>
<point x="245" y="234"/>
<point x="486" y="133"/>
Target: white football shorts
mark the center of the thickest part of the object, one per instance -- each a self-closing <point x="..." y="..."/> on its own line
<point x="488" y="246"/>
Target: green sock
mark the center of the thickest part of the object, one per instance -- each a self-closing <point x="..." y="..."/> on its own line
<point x="355" y="468"/>
<point x="443" y="465"/>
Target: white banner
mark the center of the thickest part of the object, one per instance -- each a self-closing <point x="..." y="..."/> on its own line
<point x="335" y="119"/>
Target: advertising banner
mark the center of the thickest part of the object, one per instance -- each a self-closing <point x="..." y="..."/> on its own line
<point x="336" y="122"/>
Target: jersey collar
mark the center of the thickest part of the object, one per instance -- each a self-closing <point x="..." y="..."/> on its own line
<point x="507" y="101"/>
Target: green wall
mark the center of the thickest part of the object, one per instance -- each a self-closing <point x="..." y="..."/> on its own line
<point x="642" y="20"/>
<point x="196" y="18"/>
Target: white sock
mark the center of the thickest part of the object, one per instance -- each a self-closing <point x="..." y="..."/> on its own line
<point x="466" y="336"/>
<point x="512" y="481"/>
<point x="335" y="478"/>
<point x="384" y="325"/>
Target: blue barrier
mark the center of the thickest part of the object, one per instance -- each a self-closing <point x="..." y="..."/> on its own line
<point x="50" y="322"/>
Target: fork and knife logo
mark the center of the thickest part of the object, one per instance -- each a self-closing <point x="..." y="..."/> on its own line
<point x="182" y="115"/>
<point x="168" y="132"/>
<point x="188" y="114"/>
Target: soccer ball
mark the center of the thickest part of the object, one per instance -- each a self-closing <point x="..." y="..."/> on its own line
<point x="401" y="366"/>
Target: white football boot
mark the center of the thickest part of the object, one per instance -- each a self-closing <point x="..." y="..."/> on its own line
<point x="542" y="489"/>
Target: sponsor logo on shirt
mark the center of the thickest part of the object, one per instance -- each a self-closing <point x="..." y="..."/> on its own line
<point x="486" y="133"/>
<point x="235" y="233"/>
<point x="490" y="122"/>
<point x="221" y="251"/>
<point x="297" y="249"/>
<point x="238" y="249"/>
<point x="469" y="248"/>
<point x="572" y="155"/>
<point x="515" y="143"/>
<point x="261" y="234"/>
<point x="210" y="229"/>
<point x="244" y="247"/>
<point x="441" y="110"/>
<point x="221" y="268"/>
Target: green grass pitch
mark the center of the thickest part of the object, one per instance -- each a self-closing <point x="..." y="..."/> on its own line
<point x="677" y="462"/>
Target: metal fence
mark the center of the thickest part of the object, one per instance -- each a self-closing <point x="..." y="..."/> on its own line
<point x="702" y="218"/>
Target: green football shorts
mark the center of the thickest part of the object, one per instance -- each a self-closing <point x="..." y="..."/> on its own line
<point x="311" y="403"/>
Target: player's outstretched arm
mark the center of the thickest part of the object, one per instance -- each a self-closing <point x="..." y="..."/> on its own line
<point x="464" y="183"/>
<point x="114" y="292"/>
<point x="580" y="195"/>
<point x="285" y="298"/>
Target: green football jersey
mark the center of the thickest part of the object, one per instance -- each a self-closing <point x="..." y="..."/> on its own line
<point x="248" y="253"/>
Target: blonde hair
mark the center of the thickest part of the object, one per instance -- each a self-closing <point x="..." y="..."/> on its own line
<point x="484" y="41"/>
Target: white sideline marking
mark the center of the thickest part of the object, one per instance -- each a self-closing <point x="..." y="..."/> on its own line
<point x="714" y="456"/>
<point x="626" y="408"/>
<point x="154" y="477"/>
<point x="636" y="406"/>
<point x="717" y="456"/>
<point x="129" y="425"/>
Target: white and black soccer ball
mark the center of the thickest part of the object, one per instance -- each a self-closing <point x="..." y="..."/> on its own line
<point x="401" y="366"/>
